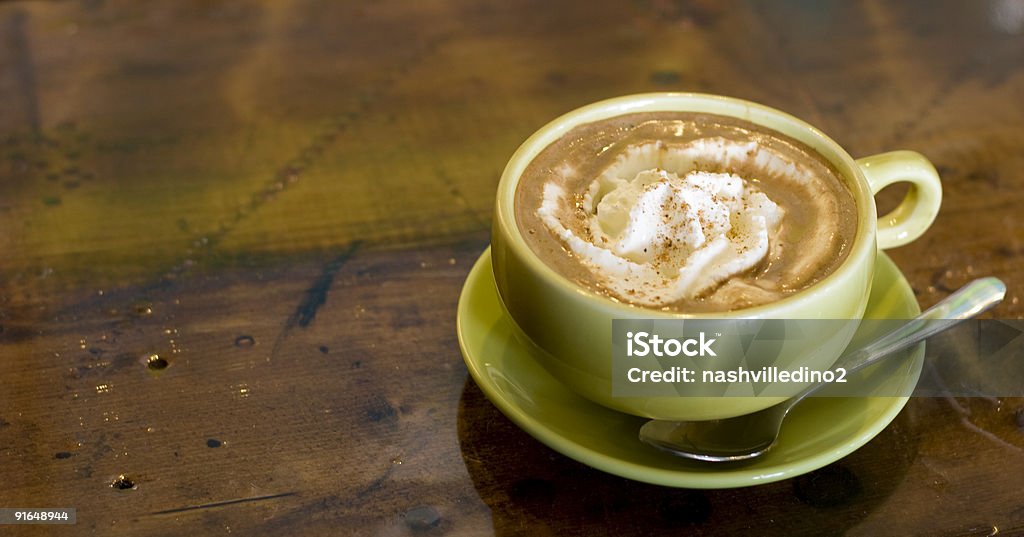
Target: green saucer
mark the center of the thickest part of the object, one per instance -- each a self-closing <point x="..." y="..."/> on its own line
<point x="817" y="432"/>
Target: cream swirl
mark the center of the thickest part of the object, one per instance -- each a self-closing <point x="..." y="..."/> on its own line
<point x="659" y="230"/>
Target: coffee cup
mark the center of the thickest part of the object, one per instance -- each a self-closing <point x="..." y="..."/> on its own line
<point x="568" y="326"/>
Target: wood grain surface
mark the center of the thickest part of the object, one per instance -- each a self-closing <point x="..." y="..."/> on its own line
<point x="233" y="235"/>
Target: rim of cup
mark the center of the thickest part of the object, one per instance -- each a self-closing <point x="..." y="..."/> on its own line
<point x="771" y="118"/>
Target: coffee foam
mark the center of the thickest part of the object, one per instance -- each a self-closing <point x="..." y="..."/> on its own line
<point x="658" y="230"/>
<point x="587" y="183"/>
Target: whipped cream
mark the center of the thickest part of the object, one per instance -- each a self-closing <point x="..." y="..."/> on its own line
<point x="659" y="230"/>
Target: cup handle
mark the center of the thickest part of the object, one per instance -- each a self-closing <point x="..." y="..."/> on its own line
<point x="918" y="209"/>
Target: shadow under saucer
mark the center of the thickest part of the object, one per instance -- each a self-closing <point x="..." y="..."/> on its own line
<point x="533" y="490"/>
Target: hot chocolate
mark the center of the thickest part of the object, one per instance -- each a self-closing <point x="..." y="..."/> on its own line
<point x="685" y="212"/>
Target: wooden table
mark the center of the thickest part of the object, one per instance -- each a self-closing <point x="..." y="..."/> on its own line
<point x="234" y="235"/>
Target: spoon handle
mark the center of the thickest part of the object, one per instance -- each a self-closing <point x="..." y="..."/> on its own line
<point x="971" y="300"/>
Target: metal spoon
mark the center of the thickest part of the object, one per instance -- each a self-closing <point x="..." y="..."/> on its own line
<point x="751" y="435"/>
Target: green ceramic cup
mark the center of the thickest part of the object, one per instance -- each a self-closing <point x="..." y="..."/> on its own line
<point x="568" y="328"/>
